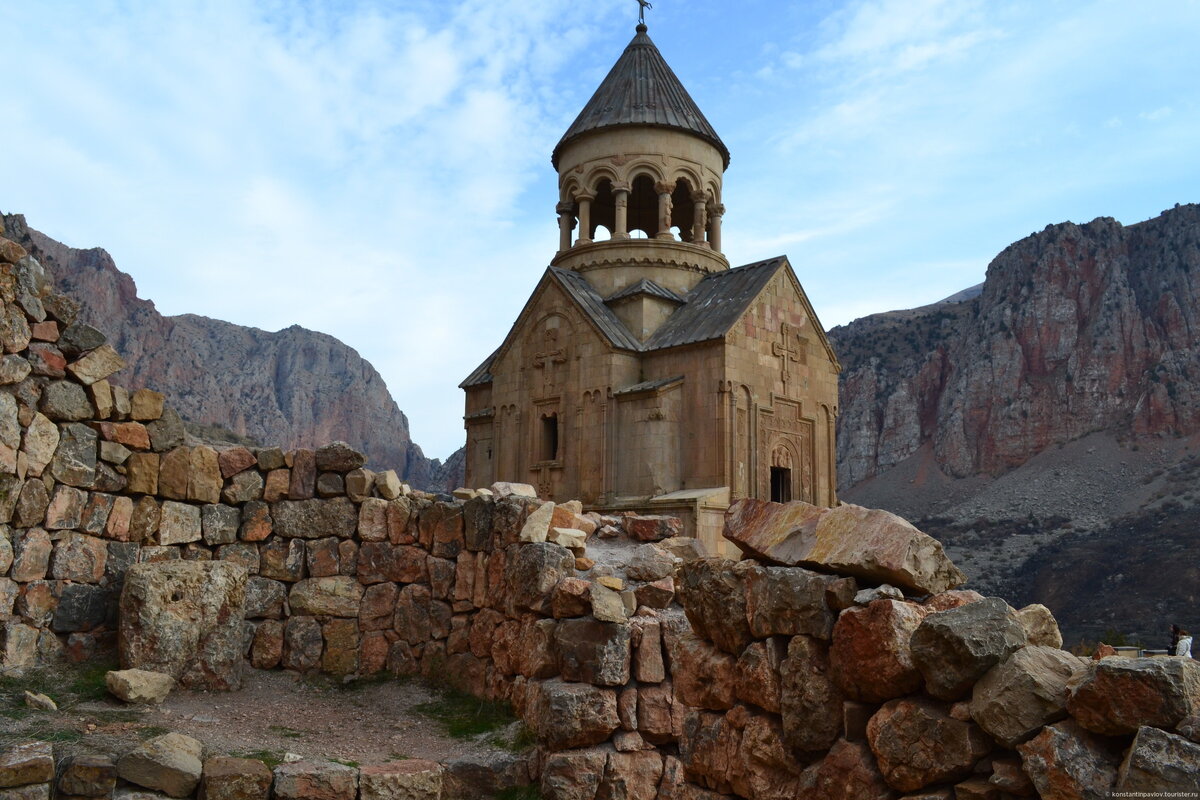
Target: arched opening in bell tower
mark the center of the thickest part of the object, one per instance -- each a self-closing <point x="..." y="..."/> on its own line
<point x="683" y="210"/>
<point x="643" y="207"/>
<point x="604" y="211"/>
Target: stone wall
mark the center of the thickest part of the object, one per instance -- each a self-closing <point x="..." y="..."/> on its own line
<point x="644" y="669"/>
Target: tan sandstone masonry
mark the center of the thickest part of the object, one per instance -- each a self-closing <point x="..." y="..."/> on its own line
<point x="659" y="675"/>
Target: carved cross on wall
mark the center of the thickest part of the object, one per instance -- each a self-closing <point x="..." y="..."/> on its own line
<point x="551" y="354"/>
<point x="788" y="351"/>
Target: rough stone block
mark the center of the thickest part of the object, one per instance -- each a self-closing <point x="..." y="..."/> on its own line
<point x="339" y="457"/>
<point x="26" y="763"/>
<point x="337" y="596"/>
<point x="1159" y="763"/>
<point x="1015" y="698"/>
<point x="180" y="523"/>
<point x="567" y="715"/>
<point x="712" y="593"/>
<point x="953" y="649"/>
<point x="87" y="776"/>
<point x="594" y="652"/>
<point x="78" y="557"/>
<point x="312" y="780"/>
<point x="226" y="778"/>
<point x="1064" y="760"/>
<point x="315" y="519"/>
<point x="1120" y="695"/>
<point x="169" y="763"/>
<point x="184" y="618"/>
<point x="146" y="405"/>
<point x="411" y="779"/>
<point x="139" y="686"/>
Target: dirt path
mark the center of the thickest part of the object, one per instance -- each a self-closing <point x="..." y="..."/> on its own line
<point x="274" y="713"/>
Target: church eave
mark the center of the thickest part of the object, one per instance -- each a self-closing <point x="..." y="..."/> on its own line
<point x="566" y="141"/>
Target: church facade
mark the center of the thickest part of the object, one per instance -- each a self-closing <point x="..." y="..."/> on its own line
<point x="644" y="373"/>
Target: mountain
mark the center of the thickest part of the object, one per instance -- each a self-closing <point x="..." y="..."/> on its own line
<point x="292" y="388"/>
<point x="1053" y="415"/>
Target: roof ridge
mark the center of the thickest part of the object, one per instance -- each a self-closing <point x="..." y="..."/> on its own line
<point x="645" y="286"/>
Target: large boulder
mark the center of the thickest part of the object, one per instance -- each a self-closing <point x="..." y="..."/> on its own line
<point x="870" y="657"/>
<point x="1013" y="700"/>
<point x="1120" y="695"/>
<point x="1158" y="763"/>
<point x="184" y="618"/>
<point x="954" y="648"/>
<point x="875" y="546"/>
<point x="1064" y="760"/>
<point x="917" y="744"/>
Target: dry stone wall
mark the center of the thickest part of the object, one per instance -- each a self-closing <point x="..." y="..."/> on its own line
<point x="836" y="661"/>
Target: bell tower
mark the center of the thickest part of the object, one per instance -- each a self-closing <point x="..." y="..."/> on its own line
<point x="639" y="177"/>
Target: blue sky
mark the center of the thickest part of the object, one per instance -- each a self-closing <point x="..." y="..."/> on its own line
<point x="380" y="170"/>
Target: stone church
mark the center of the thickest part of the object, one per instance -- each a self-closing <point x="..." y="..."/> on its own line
<point x="645" y="373"/>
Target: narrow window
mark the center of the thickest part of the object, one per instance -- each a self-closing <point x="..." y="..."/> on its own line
<point x="781" y="485"/>
<point x="550" y="437"/>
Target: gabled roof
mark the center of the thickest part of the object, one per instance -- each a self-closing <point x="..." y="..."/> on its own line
<point x="641" y="89"/>
<point x="482" y="374"/>
<point x="645" y="286"/>
<point x="649" y="386"/>
<point x="715" y="304"/>
<point x="708" y="312"/>
<point x="593" y="305"/>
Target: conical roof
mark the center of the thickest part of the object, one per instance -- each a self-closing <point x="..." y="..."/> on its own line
<point x="641" y="89"/>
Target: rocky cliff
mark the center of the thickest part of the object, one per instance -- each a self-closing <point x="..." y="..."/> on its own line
<point x="294" y="387"/>
<point x="1078" y="329"/>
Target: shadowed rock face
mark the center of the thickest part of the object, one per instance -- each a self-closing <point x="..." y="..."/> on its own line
<point x="294" y="387"/>
<point x="1078" y="328"/>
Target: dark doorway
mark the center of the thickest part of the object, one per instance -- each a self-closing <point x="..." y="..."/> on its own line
<point x="781" y="485"/>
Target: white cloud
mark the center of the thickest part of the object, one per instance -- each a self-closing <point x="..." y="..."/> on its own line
<point x="1157" y="114"/>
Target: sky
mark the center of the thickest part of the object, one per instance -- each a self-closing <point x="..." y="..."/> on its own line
<point x="380" y="171"/>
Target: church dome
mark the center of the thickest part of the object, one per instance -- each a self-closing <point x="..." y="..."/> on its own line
<point x="641" y="90"/>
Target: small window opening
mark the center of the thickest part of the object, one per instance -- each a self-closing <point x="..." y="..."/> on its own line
<point x="781" y="485"/>
<point x="550" y="437"/>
